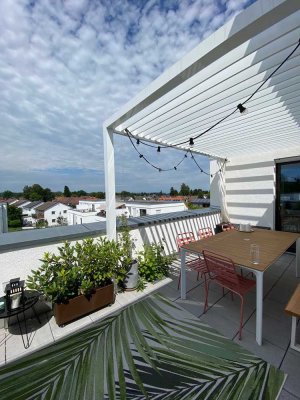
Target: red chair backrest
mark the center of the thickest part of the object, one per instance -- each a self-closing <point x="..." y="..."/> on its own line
<point x="204" y="233"/>
<point x="184" y="238"/>
<point x="227" y="227"/>
<point x="221" y="268"/>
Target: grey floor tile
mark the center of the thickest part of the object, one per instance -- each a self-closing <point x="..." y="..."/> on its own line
<point x="217" y="319"/>
<point x="268" y="351"/>
<point x="291" y="365"/>
<point x="38" y="336"/>
<point x="285" y="395"/>
<point x="274" y="330"/>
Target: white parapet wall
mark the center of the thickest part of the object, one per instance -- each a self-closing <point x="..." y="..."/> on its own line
<point x="18" y="262"/>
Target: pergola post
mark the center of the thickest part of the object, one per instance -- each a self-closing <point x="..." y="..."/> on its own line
<point x="110" y="185"/>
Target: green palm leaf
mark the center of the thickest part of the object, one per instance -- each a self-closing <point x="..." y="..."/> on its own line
<point x="151" y="350"/>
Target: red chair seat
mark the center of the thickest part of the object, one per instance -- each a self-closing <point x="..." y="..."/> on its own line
<point x="222" y="271"/>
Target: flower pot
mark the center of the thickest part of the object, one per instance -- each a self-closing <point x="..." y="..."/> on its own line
<point x="83" y="305"/>
<point x="132" y="276"/>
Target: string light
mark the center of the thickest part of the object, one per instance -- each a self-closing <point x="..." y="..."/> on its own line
<point x="241" y="108"/>
<point x="190" y="141"/>
<point x="177" y="165"/>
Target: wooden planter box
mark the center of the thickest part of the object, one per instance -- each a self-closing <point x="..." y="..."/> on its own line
<point x="82" y="305"/>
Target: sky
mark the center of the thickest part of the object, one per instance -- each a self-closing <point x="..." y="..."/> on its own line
<point x="68" y="65"/>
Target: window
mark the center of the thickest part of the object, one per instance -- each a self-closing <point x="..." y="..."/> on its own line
<point x="142" y="212"/>
<point x="53" y="220"/>
<point x="52" y="212"/>
<point x="65" y="211"/>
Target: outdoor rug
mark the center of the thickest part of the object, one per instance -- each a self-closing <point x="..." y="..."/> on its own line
<point x="151" y="350"/>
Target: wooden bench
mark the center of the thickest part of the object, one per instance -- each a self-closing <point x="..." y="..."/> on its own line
<point x="293" y="309"/>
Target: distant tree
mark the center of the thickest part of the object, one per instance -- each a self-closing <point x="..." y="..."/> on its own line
<point x="173" y="192"/>
<point x="99" y="195"/>
<point x="125" y="194"/>
<point x="67" y="192"/>
<point x="184" y="190"/>
<point x="79" y="193"/>
<point x="36" y="192"/>
<point x="7" y="194"/>
<point x="48" y="195"/>
<point x="14" y="216"/>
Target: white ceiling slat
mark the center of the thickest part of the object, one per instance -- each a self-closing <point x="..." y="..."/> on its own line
<point x="196" y="117"/>
<point x="207" y="84"/>
<point x="245" y="49"/>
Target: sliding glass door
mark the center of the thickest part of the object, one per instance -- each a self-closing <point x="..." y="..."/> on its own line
<point x="288" y="196"/>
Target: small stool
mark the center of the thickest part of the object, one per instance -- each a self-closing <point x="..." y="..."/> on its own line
<point x="293" y="309"/>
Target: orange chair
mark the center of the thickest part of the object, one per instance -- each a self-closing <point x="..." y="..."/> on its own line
<point x="205" y="233"/>
<point x="222" y="271"/>
<point x="197" y="264"/>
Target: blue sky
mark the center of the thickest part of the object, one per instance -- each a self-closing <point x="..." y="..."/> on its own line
<point x="67" y="65"/>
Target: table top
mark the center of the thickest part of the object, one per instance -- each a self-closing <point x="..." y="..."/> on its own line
<point x="236" y="245"/>
<point x="30" y="298"/>
<point x="293" y="306"/>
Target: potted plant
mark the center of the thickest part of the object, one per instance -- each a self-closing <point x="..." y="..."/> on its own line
<point x="153" y="263"/>
<point x="128" y="274"/>
<point x="78" y="280"/>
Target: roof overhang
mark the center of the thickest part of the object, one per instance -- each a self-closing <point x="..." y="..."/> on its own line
<point x="223" y="71"/>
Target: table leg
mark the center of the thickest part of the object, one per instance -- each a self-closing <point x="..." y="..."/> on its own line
<point x="294" y="345"/>
<point x="259" y="305"/>
<point x="298" y="258"/>
<point x="183" y="274"/>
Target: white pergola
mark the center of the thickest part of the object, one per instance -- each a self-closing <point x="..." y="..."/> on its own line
<point x="208" y="84"/>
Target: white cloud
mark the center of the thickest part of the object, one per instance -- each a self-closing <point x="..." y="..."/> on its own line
<point x="67" y="65"/>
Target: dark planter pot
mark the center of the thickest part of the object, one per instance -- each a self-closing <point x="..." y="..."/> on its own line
<point x="132" y="276"/>
<point x="83" y="305"/>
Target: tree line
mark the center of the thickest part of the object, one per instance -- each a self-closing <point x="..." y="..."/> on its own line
<point x="37" y="192"/>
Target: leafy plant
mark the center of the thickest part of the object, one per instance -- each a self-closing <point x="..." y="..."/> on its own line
<point x="77" y="269"/>
<point x="153" y="263"/>
<point x="152" y="349"/>
<point x="126" y="247"/>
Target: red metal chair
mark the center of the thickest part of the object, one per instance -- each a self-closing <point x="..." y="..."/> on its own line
<point x="197" y="264"/>
<point x="222" y="271"/>
<point x="205" y="233"/>
<point x="227" y="227"/>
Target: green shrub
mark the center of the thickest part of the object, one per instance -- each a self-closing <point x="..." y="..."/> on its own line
<point x="153" y="263"/>
<point x="15" y="223"/>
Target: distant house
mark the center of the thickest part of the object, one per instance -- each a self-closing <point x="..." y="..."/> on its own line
<point x="88" y="212"/>
<point x="20" y="203"/>
<point x="74" y="201"/>
<point x="201" y="202"/>
<point x="52" y="212"/>
<point x="29" y="212"/>
<point x="141" y="208"/>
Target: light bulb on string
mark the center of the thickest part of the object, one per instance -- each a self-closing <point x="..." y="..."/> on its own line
<point x="243" y="110"/>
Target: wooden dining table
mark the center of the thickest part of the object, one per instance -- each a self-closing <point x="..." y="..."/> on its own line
<point x="236" y="245"/>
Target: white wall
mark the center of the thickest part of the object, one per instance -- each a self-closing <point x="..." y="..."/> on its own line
<point x="250" y="184"/>
<point x="21" y="262"/>
<point x="90" y="205"/>
<point x="154" y="209"/>
<point x="58" y="210"/>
